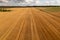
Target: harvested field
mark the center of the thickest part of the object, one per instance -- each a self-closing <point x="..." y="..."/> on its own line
<point x="29" y="24"/>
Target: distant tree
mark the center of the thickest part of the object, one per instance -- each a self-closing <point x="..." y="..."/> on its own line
<point x="4" y="10"/>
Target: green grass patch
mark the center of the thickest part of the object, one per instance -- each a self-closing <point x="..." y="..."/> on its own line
<point x="50" y="9"/>
<point x="53" y="9"/>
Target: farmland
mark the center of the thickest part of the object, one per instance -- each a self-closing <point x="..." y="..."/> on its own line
<point x="30" y="23"/>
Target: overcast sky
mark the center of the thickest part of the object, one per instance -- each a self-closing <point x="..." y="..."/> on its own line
<point x="28" y="2"/>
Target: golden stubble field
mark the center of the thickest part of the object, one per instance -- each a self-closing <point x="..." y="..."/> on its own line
<point x="29" y="24"/>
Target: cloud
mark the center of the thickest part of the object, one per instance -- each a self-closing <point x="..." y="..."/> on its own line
<point x="5" y="0"/>
<point x="30" y="2"/>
